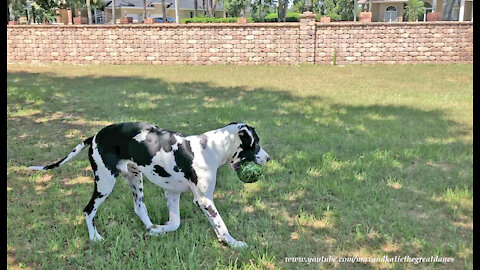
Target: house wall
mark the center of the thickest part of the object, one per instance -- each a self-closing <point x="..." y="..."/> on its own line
<point x="468" y="11"/>
<point x="253" y="43"/>
<point x="468" y="8"/>
<point x="378" y="9"/>
<point x="375" y="12"/>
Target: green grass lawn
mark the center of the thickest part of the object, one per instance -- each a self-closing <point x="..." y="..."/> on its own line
<point x="366" y="161"/>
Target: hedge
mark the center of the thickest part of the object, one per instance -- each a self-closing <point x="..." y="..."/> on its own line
<point x="212" y="20"/>
<point x="290" y="17"/>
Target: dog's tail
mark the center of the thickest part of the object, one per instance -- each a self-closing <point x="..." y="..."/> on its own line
<point x="72" y="154"/>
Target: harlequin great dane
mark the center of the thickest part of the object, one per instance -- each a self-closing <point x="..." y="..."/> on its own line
<point x="169" y="160"/>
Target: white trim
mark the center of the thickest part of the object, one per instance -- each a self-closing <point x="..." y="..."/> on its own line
<point x="462" y="11"/>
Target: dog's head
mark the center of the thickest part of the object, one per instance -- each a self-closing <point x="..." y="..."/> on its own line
<point x="249" y="148"/>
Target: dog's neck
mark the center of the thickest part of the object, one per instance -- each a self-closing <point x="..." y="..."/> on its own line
<point x="224" y="140"/>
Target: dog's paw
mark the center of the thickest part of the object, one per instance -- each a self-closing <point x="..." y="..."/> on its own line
<point x="97" y="238"/>
<point x="239" y="245"/>
<point x="156" y="230"/>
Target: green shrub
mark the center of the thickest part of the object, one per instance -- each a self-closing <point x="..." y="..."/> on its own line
<point x="272" y="17"/>
<point x="212" y="20"/>
<point x="290" y="17"/>
<point x="414" y="10"/>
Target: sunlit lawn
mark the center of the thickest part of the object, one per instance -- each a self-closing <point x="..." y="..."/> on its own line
<point x="367" y="161"/>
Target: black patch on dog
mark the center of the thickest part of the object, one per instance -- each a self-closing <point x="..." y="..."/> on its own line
<point x="161" y="171"/>
<point x="92" y="162"/>
<point x="89" y="208"/>
<point x="203" y="141"/>
<point x="249" y="150"/>
<point x="210" y="210"/>
<point x="143" y="152"/>
<point x="54" y="165"/>
<point x="184" y="159"/>
<point x="116" y="142"/>
<point x="88" y="141"/>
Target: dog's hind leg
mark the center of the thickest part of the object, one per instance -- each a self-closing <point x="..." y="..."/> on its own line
<point x="134" y="180"/>
<point x="104" y="182"/>
<point x="173" y="204"/>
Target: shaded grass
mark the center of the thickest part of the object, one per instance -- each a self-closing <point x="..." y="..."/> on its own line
<point x="367" y="161"/>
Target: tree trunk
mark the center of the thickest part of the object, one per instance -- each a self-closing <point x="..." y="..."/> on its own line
<point x="282" y="10"/>
<point x="114" y="21"/>
<point x="164" y="11"/>
<point x="195" y="8"/>
<point x="214" y="7"/>
<point x="203" y="7"/>
<point x="260" y="15"/>
<point x="207" y="11"/>
<point x="89" y="12"/>
<point x="33" y="15"/>
<point x="10" y="12"/>
<point x="144" y="9"/>
<point x="447" y="10"/>
<point x="279" y="11"/>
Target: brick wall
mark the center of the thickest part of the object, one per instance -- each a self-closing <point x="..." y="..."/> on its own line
<point x="255" y="43"/>
<point x="439" y="42"/>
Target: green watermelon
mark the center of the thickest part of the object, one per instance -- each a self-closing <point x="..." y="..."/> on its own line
<point x="249" y="172"/>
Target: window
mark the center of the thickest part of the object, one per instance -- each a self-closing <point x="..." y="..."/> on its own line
<point x="391" y="14"/>
<point x="427" y="9"/>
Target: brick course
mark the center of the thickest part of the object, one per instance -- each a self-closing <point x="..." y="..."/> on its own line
<point x="242" y="44"/>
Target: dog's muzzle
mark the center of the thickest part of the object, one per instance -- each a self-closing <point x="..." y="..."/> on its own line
<point x="235" y="166"/>
<point x="261" y="158"/>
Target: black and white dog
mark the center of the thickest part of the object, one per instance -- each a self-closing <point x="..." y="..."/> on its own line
<point x="169" y="160"/>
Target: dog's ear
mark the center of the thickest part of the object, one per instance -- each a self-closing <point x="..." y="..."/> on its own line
<point x="246" y="135"/>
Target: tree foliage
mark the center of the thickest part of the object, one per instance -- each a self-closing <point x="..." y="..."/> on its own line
<point x="336" y="9"/>
<point x="413" y="9"/>
<point x="260" y="8"/>
<point x="234" y="7"/>
<point x="18" y="8"/>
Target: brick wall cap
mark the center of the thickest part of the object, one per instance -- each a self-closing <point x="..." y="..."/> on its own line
<point x="307" y="15"/>
<point x="215" y="25"/>
<point x="393" y="23"/>
<point x="161" y="25"/>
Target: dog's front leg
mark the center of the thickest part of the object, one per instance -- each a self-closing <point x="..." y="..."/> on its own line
<point x="208" y="207"/>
